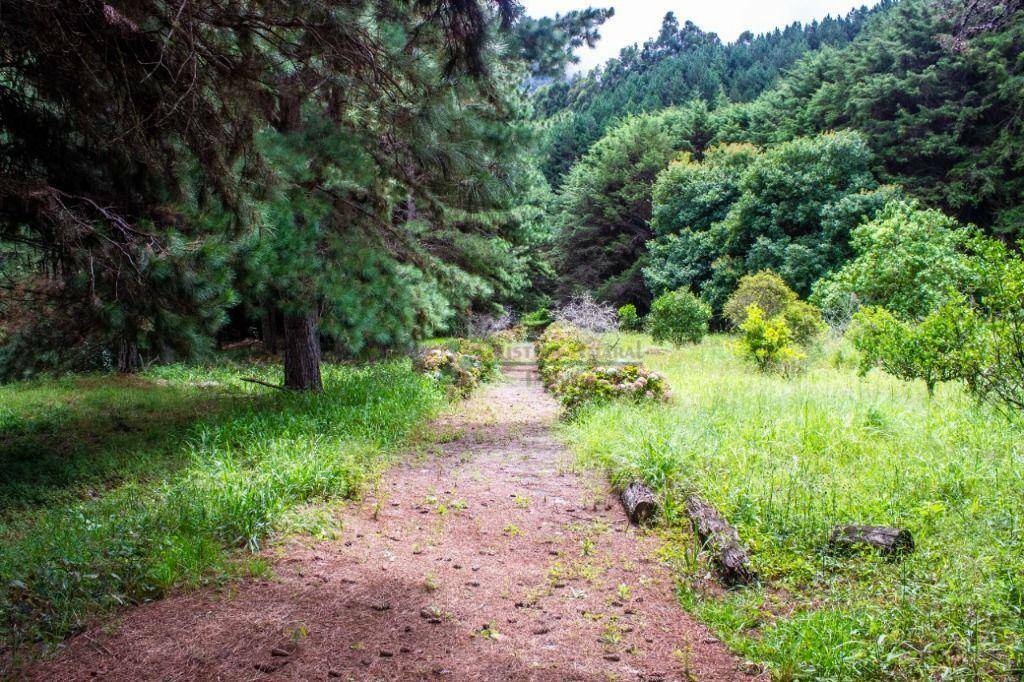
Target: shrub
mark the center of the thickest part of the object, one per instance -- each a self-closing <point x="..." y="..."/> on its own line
<point x="766" y="290"/>
<point x="536" y="322"/>
<point x="908" y="260"/>
<point x="629" y="319"/>
<point x="562" y="349"/>
<point x="679" y="317"/>
<point x="483" y="357"/>
<point x="929" y="350"/>
<point x="449" y="367"/>
<point x="461" y="363"/>
<point x="767" y="341"/>
<point x="993" y="359"/>
<point x="804" y="321"/>
<point x="600" y="384"/>
<point x="507" y="337"/>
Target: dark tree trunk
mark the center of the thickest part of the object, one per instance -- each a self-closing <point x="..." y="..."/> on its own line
<point x="887" y="540"/>
<point x="302" y="353"/>
<point x="270" y="326"/>
<point x="721" y="540"/>
<point x="128" y="359"/>
<point x="639" y="502"/>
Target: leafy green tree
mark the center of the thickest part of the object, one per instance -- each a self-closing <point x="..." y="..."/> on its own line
<point x="605" y="205"/>
<point x="779" y="222"/>
<point x="680" y="64"/>
<point x="940" y="113"/>
<point x="766" y="290"/>
<point x="992" y="360"/>
<point x="927" y="350"/>
<point x="678" y="316"/>
<point x="691" y="200"/>
<point x="908" y="260"/>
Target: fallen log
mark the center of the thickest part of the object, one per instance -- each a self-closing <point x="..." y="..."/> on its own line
<point x="882" y="538"/>
<point x="722" y="540"/>
<point x="260" y="382"/>
<point x="639" y="502"/>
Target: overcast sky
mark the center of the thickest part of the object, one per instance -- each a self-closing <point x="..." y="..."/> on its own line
<point x="637" y="20"/>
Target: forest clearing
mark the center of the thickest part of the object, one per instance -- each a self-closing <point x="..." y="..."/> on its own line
<point x="401" y="340"/>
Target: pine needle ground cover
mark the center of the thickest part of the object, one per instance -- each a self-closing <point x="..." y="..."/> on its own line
<point x="116" y="489"/>
<point x="786" y="459"/>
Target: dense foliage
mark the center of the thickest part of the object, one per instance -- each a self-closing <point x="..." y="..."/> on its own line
<point x="284" y="157"/>
<point x="938" y="105"/>
<point x="680" y="64"/>
<point x="678" y="316"/>
<point x="605" y="205"/>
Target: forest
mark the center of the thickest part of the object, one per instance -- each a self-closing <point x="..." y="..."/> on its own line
<point x="727" y="331"/>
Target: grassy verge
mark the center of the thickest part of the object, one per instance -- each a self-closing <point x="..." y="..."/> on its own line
<point x="120" y="489"/>
<point x="786" y="459"/>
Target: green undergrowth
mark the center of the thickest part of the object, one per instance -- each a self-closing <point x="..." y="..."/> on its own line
<point x="119" y="489"/>
<point x="785" y="460"/>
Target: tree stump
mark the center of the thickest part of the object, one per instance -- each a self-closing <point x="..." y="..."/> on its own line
<point x="885" y="539"/>
<point x="639" y="502"/>
<point x="722" y="540"/>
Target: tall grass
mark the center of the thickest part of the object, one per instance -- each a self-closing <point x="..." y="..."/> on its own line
<point x="191" y="490"/>
<point x="786" y="459"/>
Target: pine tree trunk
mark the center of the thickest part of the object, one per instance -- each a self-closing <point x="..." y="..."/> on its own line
<point x="128" y="359"/>
<point x="302" y="353"/>
<point x="271" y="328"/>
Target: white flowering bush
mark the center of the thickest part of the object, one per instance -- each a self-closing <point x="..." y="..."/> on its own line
<point x="462" y="364"/>
<point x="630" y="382"/>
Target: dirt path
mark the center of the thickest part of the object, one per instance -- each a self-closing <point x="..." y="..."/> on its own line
<point x="488" y="561"/>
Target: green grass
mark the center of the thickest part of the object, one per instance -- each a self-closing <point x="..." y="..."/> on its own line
<point x="118" y="489"/>
<point x="785" y="460"/>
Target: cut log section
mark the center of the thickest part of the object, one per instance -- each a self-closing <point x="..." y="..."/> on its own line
<point x="882" y="538"/>
<point x="721" y="540"/>
<point x="639" y="502"/>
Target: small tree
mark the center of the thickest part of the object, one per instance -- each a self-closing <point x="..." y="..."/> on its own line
<point x="766" y="341"/>
<point x="766" y="290"/>
<point x="629" y="319"/>
<point x="679" y="317"/>
<point x="909" y="260"/>
<point x="804" y="321"/>
<point x="928" y="351"/>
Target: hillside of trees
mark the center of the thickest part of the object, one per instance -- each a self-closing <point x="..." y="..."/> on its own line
<point x="917" y="99"/>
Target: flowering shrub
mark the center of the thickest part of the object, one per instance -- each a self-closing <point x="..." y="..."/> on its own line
<point x="562" y="349"/>
<point x="463" y="364"/>
<point x="566" y="359"/>
<point x="767" y="341"/>
<point x="483" y="357"/>
<point x="447" y="366"/>
<point x="631" y="382"/>
<point x="507" y="337"/>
